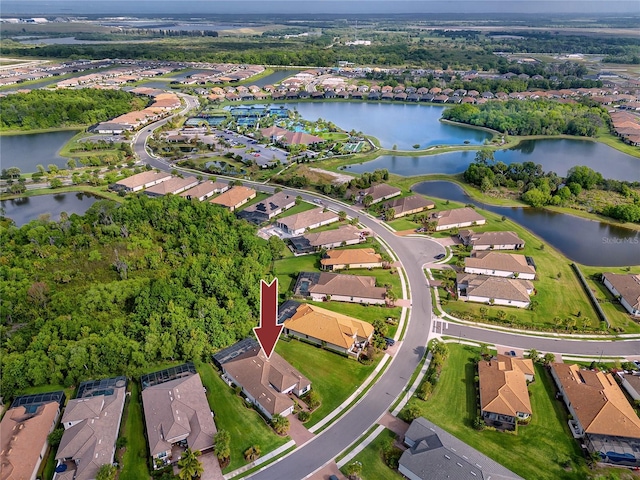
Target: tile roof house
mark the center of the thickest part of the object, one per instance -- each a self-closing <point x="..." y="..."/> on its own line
<point x="235" y="197"/>
<point x="352" y="258"/>
<point x="500" y="265"/>
<point x="177" y="411"/>
<point x="142" y="180"/>
<point x="24" y="429"/>
<point x="268" y="208"/>
<point x="491" y="240"/>
<point x="205" y="190"/>
<point x="379" y="192"/>
<point x="504" y="397"/>
<point x="300" y="222"/>
<point x="287" y="137"/>
<point x="631" y="383"/>
<point x="343" y="235"/>
<point x="266" y="382"/>
<point x="91" y="423"/>
<point x="626" y="288"/>
<point x="339" y="287"/>
<point x="457" y="218"/>
<point x="428" y="459"/>
<point x="173" y="186"/>
<point x="332" y="330"/>
<point x="602" y="416"/>
<point x="408" y="205"/>
<point x="512" y="292"/>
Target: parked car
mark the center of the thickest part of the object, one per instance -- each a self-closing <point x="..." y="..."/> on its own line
<point x="333" y="477"/>
<point x="390" y="341"/>
<point x="318" y="201"/>
<point x="440" y="256"/>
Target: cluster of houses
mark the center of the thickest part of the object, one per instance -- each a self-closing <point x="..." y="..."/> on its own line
<point x="627" y="125"/>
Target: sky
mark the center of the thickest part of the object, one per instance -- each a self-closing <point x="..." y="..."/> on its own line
<point x="159" y="7"/>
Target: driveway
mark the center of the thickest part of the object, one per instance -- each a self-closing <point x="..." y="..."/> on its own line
<point x="325" y="472"/>
<point x="211" y="466"/>
<point x="297" y="431"/>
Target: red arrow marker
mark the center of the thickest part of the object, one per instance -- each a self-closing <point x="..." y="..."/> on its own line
<point x="268" y="331"/>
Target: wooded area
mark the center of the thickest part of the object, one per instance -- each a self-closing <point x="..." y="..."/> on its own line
<point x="124" y="287"/>
<point x="532" y="117"/>
<point x="63" y="108"/>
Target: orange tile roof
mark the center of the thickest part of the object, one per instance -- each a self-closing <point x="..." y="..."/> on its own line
<point x="235" y="196"/>
<point x="503" y="387"/>
<point x="351" y="256"/>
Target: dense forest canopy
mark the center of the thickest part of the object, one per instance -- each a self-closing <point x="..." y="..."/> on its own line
<point x="123" y="287"/>
<point x="535" y="117"/>
<point x="62" y="108"/>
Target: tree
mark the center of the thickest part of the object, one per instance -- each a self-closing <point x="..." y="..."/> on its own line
<point x="533" y="355"/>
<point x="222" y="445"/>
<point x="107" y="472"/>
<point x="483" y="312"/>
<point x="55" y="183"/>
<point x="189" y="464"/>
<point x="548" y="358"/>
<point x="353" y="470"/>
<point x="280" y="424"/>
<point x="13" y="172"/>
<point x="424" y="392"/>
<point x="71" y="164"/>
<point x="312" y="399"/>
<point x="390" y="214"/>
<point x="342" y="215"/>
<point x="366" y="201"/>
<point x="55" y="437"/>
<point x="501" y="314"/>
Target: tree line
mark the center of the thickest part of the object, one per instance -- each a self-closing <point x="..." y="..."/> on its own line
<point x="123" y="287"/>
<point x="61" y="108"/>
<point x="532" y="117"/>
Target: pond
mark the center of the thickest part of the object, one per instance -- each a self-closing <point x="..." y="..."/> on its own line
<point x="403" y="125"/>
<point x="25" y="209"/>
<point x="29" y="150"/>
<point x="557" y="155"/>
<point x="584" y="241"/>
<point x="275" y="78"/>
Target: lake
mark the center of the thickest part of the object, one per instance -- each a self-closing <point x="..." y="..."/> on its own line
<point x="403" y="125"/>
<point x="23" y="210"/>
<point x="557" y="155"/>
<point x="27" y="151"/>
<point x="275" y="78"/>
<point x="584" y="241"/>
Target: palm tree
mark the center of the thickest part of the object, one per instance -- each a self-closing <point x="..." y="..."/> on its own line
<point x="189" y="464"/>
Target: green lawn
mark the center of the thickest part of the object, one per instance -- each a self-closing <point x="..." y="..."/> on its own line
<point x="333" y="376"/>
<point x="367" y="313"/>
<point x="404" y="223"/>
<point x="299" y="208"/>
<point x="245" y="425"/>
<point x="373" y="466"/>
<point x="544" y="449"/>
<point x="135" y="458"/>
<point x="288" y="268"/>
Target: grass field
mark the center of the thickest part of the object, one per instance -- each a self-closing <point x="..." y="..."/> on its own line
<point x="134" y="460"/>
<point x="542" y="450"/>
<point x="245" y="425"/>
<point x="333" y="376"/>
<point x="373" y="466"/>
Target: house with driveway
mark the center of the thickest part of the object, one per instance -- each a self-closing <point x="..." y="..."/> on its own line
<point x="340" y="237"/>
<point x="266" y="382"/>
<point x="510" y="292"/>
<point x="407" y="206"/>
<point x="491" y="240"/>
<point x="268" y="208"/>
<point x="177" y="414"/>
<point x="299" y="223"/>
<point x="504" y="397"/>
<point x="626" y="288"/>
<point x="235" y="197"/>
<point x="351" y="258"/>
<point x="91" y="424"/>
<point x="500" y="265"/>
<point x="321" y="286"/>
<point x="456" y="218"/>
<point x="334" y="331"/>
<point x="603" y="419"/>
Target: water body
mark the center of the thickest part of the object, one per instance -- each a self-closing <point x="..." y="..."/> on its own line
<point x="275" y="78"/>
<point x="585" y="241"/>
<point x="70" y="41"/>
<point x="403" y="125"/>
<point x="27" y="151"/>
<point x="557" y="155"/>
<point x="25" y="209"/>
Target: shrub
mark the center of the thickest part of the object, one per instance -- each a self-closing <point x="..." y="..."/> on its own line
<point x="478" y="423"/>
<point x="424" y="392"/>
<point x="304" y="416"/>
<point x="252" y="453"/>
<point x="391" y="455"/>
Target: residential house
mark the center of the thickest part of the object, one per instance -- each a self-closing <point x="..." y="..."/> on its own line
<point x="342" y="236"/>
<point x="139" y="181"/>
<point x="268" y="208"/>
<point x="511" y="292"/>
<point x="631" y="383"/>
<point x="205" y="190"/>
<point x="491" y="240"/>
<point x="456" y="218"/>
<point x="351" y="258"/>
<point x="407" y="206"/>
<point x="235" y="197"/>
<point x="24" y="429"/>
<point x="341" y="288"/>
<point x="287" y="137"/>
<point x="172" y="186"/>
<point x="91" y="423"/>
<point x="379" y="192"/>
<point x="303" y="221"/>
<point x="266" y="382"/>
<point x="332" y="330"/>
<point x="504" y="397"/>
<point x="500" y="265"/>
<point x="626" y="288"/>
<point x="177" y="414"/>
<point x="426" y="457"/>
<point x="112" y="128"/>
<point x="603" y="419"/>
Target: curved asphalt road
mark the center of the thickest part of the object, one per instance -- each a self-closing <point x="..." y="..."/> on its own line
<point x="413" y="253"/>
